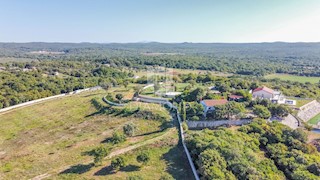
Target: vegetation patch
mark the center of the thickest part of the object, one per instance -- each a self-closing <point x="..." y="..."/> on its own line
<point x="162" y="159"/>
<point x="294" y="78"/>
<point x="259" y="150"/>
<point x="315" y="120"/>
<point x="48" y="136"/>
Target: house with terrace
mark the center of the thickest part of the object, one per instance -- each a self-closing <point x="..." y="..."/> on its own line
<point x="274" y="96"/>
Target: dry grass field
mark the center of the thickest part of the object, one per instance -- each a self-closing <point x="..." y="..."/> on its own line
<point x="51" y="136"/>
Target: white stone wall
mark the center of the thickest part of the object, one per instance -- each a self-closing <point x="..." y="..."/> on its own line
<point x="48" y="98"/>
<point x="213" y="124"/>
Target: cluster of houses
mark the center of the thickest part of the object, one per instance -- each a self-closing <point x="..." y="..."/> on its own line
<point x="259" y="93"/>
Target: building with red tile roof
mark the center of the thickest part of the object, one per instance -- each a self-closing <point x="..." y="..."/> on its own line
<point x="209" y="104"/>
<point x="274" y="96"/>
<point x="265" y="89"/>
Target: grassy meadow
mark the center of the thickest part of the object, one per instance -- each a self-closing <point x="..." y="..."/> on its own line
<point x="315" y="119"/>
<point x="50" y="136"/>
<point x="288" y="77"/>
<point x="167" y="159"/>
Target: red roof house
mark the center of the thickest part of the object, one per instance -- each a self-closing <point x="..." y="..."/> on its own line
<point x="209" y="104"/>
<point x="266" y="89"/>
<point x="263" y="92"/>
<point x="214" y="102"/>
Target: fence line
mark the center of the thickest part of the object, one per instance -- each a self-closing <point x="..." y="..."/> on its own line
<point x="165" y="101"/>
<point x="194" y="170"/>
<point x="213" y="124"/>
<point x="48" y="98"/>
<point x="111" y="103"/>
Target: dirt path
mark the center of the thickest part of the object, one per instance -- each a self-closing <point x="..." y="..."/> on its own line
<point x="112" y="154"/>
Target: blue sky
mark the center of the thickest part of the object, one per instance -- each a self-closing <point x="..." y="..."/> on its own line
<point x="159" y="20"/>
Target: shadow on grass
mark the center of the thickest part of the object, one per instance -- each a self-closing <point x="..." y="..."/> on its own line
<point x="78" y="169"/>
<point x="104" y="110"/>
<point x="107" y="140"/>
<point x="108" y="170"/>
<point x="126" y="113"/>
<point x="176" y="159"/>
<point x="130" y="168"/>
<point x="177" y="163"/>
<point x="114" y="112"/>
<point x="104" y="171"/>
<point x="149" y="133"/>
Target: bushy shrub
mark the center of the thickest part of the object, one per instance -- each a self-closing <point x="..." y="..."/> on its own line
<point x="185" y="126"/>
<point x="148" y="115"/>
<point x="96" y="104"/>
<point x="118" y="137"/>
<point x="261" y="111"/>
<point x="143" y="158"/>
<point x="100" y="153"/>
<point x="194" y="118"/>
<point x="119" y="97"/>
<point x="118" y="163"/>
<point x="129" y="129"/>
<point x="314" y="168"/>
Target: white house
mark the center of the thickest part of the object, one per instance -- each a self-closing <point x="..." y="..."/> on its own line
<point x="274" y="96"/>
<point x="211" y="103"/>
<point x="263" y="92"/>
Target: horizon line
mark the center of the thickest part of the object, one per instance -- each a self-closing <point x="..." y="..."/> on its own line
<point x="149" y="42"/>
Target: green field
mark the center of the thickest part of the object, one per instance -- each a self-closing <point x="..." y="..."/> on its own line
<point x="288" y="77"/>
<point x="166" y="159"/>
<point x="50" y="136"/>
<point x="315" y="119"/>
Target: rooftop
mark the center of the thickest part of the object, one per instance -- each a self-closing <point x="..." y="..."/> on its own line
<point x="235" y="96"/>
<point x="264" y="89"/>
<point x="215" y="102"/>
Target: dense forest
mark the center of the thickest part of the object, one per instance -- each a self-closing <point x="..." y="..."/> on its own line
<point x="247" y="59"/>
<point x="30" y="71"/>
<point x="25" y="81"/>
<point x="259" y="150"/>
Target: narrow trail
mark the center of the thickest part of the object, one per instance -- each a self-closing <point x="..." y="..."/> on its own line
<point x="112" y="154"/>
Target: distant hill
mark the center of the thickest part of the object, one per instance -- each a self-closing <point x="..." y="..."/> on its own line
<point x="240" y="58"/>
<point x="279" y="49"/>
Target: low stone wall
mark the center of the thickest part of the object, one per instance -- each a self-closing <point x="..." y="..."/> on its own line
<point x="31" y="102"/>
<point x="165" y="101"/>
<point x="111" y="103"/>
<point x="193" y="168"/>
<point x="214" y="124"/>
<point x="152" y="99"/>
<point x="48" y="98"/>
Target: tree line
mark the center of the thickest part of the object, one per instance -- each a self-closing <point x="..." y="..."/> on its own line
<point x="259" y="150"/>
